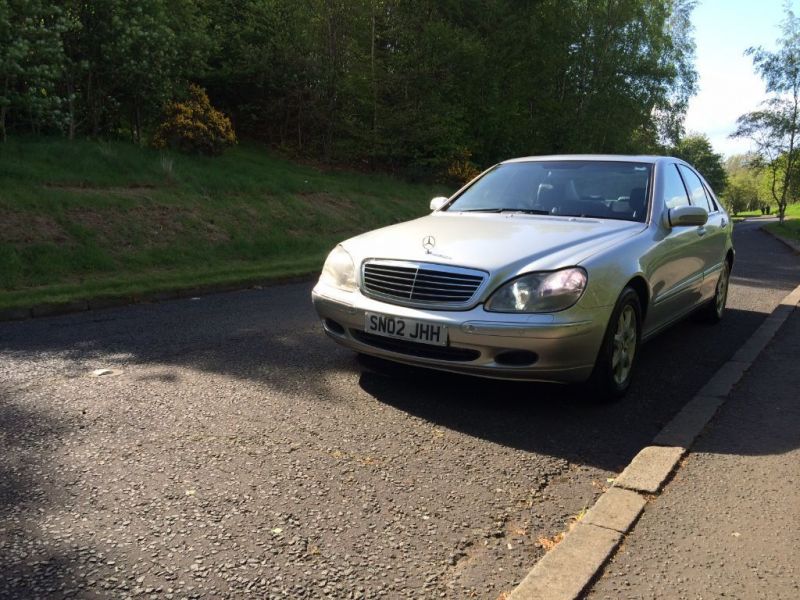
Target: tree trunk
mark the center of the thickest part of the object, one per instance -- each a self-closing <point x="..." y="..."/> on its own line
<point x="137" y="124"/>
<point x="332" y="79"/>
<point x="374" y="90"/>
<point x="92" y="106"/>
<point x="71" y="108"/>
<point x="3" y="111"/>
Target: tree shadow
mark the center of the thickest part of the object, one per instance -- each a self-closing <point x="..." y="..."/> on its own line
<point x="261" y="336"/>
<point x="33" y="563"/>
<point x="766" y="400"/>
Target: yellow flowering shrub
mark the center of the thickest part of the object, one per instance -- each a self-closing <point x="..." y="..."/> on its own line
<point x="461" y="169"/>
<point x="194" y="126"/>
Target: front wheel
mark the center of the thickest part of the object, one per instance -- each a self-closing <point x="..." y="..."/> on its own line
<point x="616" y="360"/>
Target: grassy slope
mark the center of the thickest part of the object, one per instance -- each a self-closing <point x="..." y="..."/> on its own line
<point x="790" y="228"/>
<point x="83" y="219"/>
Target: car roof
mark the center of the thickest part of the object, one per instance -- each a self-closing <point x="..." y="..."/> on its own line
<point x="652" y="159"/>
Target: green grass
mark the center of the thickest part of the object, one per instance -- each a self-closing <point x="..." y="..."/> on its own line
<point x="792" y="210"/>
<point x="82" y="219"/>
<point x="790" y="228"/>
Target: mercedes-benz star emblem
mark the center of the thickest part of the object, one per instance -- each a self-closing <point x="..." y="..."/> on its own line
<point x="429" y="243"/>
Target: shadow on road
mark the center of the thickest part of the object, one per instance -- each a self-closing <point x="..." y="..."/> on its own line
<point x="561" y="420"/>
<point x="32" y="562"/>
<point x="271" y="338"/>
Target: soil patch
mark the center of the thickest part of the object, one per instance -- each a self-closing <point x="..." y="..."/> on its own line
<point x="17" y="227"/>
<point x="153" y="226"/>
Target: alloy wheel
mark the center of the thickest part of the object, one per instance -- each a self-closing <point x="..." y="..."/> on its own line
<point x="722" y="290"/>
<point x="625" y="338"/>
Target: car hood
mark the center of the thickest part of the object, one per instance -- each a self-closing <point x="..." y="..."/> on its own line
<point x="501" y="244"/>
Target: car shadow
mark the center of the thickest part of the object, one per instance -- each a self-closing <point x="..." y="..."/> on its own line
<point x="568" y="421"/>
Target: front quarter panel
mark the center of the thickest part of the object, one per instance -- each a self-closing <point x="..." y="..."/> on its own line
<point x="611" y="270"/>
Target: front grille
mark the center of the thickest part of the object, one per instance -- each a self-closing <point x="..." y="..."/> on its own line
<point x="415" y="348"/>
<point x="421" y="284"/>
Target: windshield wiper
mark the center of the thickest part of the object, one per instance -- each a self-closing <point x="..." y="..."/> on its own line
<point x="527" y="211"/>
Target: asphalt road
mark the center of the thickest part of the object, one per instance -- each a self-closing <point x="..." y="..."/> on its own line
<point x="238" y="452"/>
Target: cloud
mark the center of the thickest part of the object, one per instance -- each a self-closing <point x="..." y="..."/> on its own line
<point x="728" y="89"/>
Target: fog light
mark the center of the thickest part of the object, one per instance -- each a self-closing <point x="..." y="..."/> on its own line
<point x="516" y="358"/>
<point x="333" y="326"/>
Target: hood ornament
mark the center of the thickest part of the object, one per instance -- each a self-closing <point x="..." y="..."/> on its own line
<point x="429" y="243"/>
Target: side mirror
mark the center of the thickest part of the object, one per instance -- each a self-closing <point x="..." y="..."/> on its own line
<point x="686" y="216"/>
<point x="438" y="202"/>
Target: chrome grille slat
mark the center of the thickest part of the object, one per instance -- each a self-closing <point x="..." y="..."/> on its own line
<point x="446" y="292"/>
<point x="428" y="274"/>
<point x="420" y="284"/>
<point x="455" y="287"/>
<point x="398" y="293"/>
<point x="388" y="278"/>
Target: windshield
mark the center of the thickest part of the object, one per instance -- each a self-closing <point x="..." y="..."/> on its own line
<point x="585" y="188"/>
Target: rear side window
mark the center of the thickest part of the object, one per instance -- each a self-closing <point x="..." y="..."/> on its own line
<point x="697" y="192"/>
<point x="711" y="199"/>
<point x="674" y="190"/>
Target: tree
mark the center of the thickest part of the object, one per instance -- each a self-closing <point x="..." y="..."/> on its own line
<point x="745" y="182"/>
<point x="775" y="128"/>
<point x="31" y="59"/>
<point x="420" y="86"/>
<point x="697" y="151"/>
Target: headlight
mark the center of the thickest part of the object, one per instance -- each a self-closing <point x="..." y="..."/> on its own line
<point x="539" y="292"/>
<point x="339" y="270"/>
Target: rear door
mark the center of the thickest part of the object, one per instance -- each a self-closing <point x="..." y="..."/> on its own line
<point x="711" y="237"/>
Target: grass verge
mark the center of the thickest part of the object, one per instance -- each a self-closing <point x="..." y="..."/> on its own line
<point x="85" y="219"/>
<point x="790" y="229"/>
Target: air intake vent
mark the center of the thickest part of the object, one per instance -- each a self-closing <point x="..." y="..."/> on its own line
<point x="421" y="284"/>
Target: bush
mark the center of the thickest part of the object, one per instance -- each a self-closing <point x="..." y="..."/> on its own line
<point x="461" y="169"/>
<point x="194" y="126"/>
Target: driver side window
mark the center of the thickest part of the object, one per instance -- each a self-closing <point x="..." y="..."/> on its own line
<point x="674" y="190"/>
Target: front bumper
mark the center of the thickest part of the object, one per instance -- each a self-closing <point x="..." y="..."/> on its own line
<point x="565" y="344"/>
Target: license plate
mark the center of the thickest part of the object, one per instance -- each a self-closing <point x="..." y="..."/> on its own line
<point x="406" y="329"/>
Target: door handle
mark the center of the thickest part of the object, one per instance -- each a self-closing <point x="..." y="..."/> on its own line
<point x="724" y="222"/>
<point x="701" y="230"/>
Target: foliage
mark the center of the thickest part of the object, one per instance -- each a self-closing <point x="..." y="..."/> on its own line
<point x="696" y="150"/>
<point x="462" y="169"/>
<point x="194" y="126"/>
<point x="748" y="188"/>
<point x="393" y="84"/>
<point x="775" y="128"/>
<point x="31" y="59"/>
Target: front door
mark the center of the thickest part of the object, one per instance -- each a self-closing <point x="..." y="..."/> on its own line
<point x="712" y="234"/>
<point x="676" y="262"/>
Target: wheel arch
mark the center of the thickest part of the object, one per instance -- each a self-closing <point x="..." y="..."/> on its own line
<point x="639" y="285"/>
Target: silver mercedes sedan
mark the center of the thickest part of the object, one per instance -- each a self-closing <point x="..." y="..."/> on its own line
<point x="552" y="268"/>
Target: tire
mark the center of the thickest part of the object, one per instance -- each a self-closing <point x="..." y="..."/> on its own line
<point x="619" y="352"/>
<point x="714" y="310"/>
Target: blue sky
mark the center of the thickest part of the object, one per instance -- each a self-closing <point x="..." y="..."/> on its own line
<point x="724" y="29"/>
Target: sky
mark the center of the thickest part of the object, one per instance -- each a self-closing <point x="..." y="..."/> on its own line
<point x="728" y="85"/>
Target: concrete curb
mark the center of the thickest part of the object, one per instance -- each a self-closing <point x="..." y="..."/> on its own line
<point x="569" y="568"/>
<point x="791" y="243"/>
<point x="49" y="309"/>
